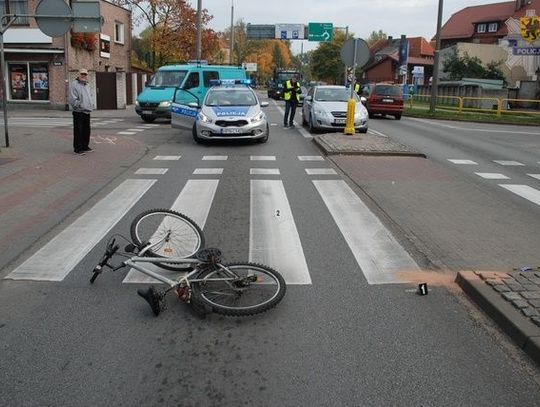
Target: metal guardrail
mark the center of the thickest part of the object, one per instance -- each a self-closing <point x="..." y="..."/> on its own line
<point x="463" y="104"/>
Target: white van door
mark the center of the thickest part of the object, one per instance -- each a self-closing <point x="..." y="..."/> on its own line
<point x="184" y="109"/>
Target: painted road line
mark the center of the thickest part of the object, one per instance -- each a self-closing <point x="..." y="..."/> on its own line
<point x="136" y="130"/>
<point x="208" y="171"/>
<point x="57" y="258"/>
<point x="273" y="237"/>
<point x="194" y="201"/>
<point x="491" y="130"/>
<point x="167" y="157"/>
<point x="491" y="175"/>
<point x="320" y="171"/>
<point x="537" y="176"/>
<point x="215" y="157"/>
<point x="509" y="163"/>
<point x="463" y="162"/>
<point x="524" y="191"/>
<point x="310" y="158"/>
<point x="151" y="171"/>
<point x="127" y="133"/>
<point x="302" y="131"/>
<point x="262" y="158"/>
<point x="377" y="252"/>
<point x="377" y="133"/>
<point x="264" y="171"/>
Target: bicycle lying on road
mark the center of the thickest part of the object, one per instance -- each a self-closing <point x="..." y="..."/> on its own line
<point x="172" y="241"/>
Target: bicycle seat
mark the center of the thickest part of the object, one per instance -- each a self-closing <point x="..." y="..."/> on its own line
<point x="208" y="255"/>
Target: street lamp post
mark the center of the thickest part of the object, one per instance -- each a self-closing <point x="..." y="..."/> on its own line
<point x="199" y="29"/>
<point x="232" y="34"/>
<point x="435" y="76"/>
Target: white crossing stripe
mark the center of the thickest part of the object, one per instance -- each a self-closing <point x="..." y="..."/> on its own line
<point x="208" y="171"/>
<point x="509" y="163"/>
<point x="377" y="252"/>
<point x="524" y="191"/>
<point x="194" y="201"/>
<point x="320" y="171"/>
<point x="127" y="133"/>
<point x="167" y="157"/>
<point x="215" y="157"/>
<point x="273" y="237"/>
<point x="262" y="158"/>
<point x="491" y="175"/>
<point x="537" y="176"/>
<point x="57" y="258"/>
<point x="264" y="171"/>
<point x="136" y="130"/>
<point x="310" y="158"/>
<point x="464" y="162"/>
<point x="151" y="171"/>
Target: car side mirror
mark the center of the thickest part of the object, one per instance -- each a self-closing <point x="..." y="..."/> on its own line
<point x="363" y="100"/>
<point x="193" y="104"/>
<point x="264" y="104"/>
<point x="309" y="98"/>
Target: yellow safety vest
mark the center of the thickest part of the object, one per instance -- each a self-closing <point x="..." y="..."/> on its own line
<point x="357" y="87"/>
<point x="287" y="93"/>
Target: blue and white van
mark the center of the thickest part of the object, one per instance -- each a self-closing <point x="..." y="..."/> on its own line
<point x="155" y="100"/>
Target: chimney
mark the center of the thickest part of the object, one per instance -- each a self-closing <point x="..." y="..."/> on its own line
<point x="389" y="39"/>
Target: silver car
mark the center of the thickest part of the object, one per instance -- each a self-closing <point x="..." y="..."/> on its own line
<point x="325" y="108"/>
<point x="229" y="111"/>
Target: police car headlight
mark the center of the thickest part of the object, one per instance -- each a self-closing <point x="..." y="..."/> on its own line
<point x="204" y="118"/>
<point x="319" y="112"/>
<point x="165" y="103"/>
<point x="137" y="103"/>
<point x="258" y="118"/>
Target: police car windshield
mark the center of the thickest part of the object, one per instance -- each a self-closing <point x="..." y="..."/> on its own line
<point x="167" y="78"/>
<point x="231" y="97"/>
<point x="333" y="95"/>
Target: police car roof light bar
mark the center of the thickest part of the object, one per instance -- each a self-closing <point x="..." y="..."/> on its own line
<point x="219" y="82"/>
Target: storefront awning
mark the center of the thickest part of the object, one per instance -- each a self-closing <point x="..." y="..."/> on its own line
<point x="33" y="51"/>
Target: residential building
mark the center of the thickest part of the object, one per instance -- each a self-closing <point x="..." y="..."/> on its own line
<point x="39" y="68"/>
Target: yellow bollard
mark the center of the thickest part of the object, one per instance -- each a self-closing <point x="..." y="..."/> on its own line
<point x="351" y="108"/>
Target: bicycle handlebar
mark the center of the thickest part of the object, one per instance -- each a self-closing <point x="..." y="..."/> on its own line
<point x="112" y="248"/>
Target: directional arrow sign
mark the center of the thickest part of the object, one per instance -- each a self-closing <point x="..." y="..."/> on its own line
<point x="320" y="31"/>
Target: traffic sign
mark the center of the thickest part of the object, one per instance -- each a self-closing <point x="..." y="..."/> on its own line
<point x="320" y="31"/>
<point x="53" y="26"/>
<point x="355" y="52"/>
<point x="289" y="31"/>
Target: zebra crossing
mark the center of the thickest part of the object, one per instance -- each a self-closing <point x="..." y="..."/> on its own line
<point x="273" y="233"/>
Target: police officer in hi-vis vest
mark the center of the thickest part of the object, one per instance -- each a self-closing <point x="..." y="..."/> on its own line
<point x="291" y="95"/>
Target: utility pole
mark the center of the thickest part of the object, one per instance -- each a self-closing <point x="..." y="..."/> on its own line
<point x="199" y="30"/>
<point x="232" y="34"/>
<point x="435" y="77"/>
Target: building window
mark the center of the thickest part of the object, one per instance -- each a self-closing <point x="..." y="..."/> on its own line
<point x="15" y="7"/>
<point x="104" y="46"/>
<point x="492" y="27"/>
<point x="481" y="28"/>
<point x="28" y="81"/>
<point x="118" y="32"/>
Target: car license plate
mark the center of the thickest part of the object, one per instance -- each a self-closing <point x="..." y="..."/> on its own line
<point x="388" y="100"/>
<point x="231" y="130"/>
<point x="147" y="112"/>
<point x="340" y="121"/>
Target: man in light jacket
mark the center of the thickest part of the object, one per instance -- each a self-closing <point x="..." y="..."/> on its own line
<point x="80" y="101"/>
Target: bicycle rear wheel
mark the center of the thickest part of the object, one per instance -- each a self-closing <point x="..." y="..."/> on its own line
<point x="245" y="289"/>
<point x="170" y="233"/>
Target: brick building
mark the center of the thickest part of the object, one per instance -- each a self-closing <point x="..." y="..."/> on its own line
<point x="38" y="68"/>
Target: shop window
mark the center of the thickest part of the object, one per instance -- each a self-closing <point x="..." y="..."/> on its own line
<point x="28" y="81"/>
<point x="15" y="7"/>
<point x="118" y="32"/>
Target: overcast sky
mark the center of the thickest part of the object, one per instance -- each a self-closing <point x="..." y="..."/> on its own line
<point x="414" y="18"/>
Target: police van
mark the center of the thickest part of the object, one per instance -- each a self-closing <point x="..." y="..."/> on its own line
<point x="155" y="100"/>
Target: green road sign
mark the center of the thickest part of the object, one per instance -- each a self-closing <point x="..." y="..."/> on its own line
<point x="320" y="31"/>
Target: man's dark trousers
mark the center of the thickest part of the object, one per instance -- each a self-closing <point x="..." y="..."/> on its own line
<point x="290" y="110"/>
<point x="81" y="131"/>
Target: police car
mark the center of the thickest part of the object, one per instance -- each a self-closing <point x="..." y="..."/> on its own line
<point x="230" y="110"/>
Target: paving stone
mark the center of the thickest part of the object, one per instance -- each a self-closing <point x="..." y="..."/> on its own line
<point x="535" y="303"/>
<point x="501" y="288"/>
<point x="536" y="320"/>
<point x="522" y="280"/>
<point x="520" y="303"/>
<point x="530" y="287"/>
<point x="531" y="295"/>
<point x="512" y="296"/>
<point x="493" y="281"/>
<point x="530" y="312"/>
<point x="534" y="280"/>
<point x="509" y="280"/>
<point x="516" y="287"/>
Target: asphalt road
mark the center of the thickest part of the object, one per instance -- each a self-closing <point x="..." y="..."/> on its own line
<point x="335" y="339"/>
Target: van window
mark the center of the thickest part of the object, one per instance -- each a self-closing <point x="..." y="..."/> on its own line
<point x="167" y="78"/>
<point x="192" y="81"/>
<point x="208" y="76"/>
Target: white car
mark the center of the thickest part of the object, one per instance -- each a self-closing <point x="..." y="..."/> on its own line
<point x="230" y="110"/>
<point x="325" y="108"/>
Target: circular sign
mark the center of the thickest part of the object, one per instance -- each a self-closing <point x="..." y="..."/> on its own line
<point x="53" y="26"/>
<point x="348" y="56"/>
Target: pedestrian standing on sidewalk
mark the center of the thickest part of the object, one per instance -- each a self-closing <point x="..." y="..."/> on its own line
<point x="80" y="101"/>
<point x="291" y="95"/>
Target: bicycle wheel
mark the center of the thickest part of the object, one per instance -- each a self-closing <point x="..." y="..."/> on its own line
<point x="171" y="234"/>
<point x="240" y="290"/>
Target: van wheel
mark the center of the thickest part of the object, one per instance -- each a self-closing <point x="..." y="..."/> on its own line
<point x="397" y="116"/>
<point x="148" y="119"/>
<point x="312" y="128"/>
<point x="197" y="139"/>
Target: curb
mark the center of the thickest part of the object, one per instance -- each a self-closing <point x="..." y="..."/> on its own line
<point x="523" y="332"/>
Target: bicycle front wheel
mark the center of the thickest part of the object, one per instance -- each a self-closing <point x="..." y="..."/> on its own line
<point x="240" y="289"/>
<point x="170" y="234"/>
